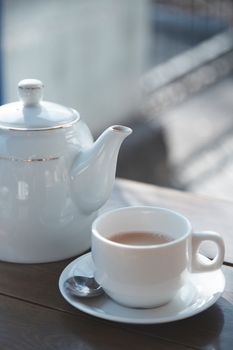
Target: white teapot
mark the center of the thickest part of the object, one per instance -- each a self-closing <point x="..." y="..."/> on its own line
<point x="53" y="178"/>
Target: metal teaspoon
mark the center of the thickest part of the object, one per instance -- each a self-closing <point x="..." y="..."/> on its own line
<point x="82" y="286"/>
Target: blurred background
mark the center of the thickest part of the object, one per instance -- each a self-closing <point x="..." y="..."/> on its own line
<point x="163" y="67"/>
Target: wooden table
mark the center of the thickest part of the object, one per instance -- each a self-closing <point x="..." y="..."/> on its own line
<point x="33" y="314"/>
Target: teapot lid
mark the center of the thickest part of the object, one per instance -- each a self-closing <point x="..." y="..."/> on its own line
<point x="31" y="113"/>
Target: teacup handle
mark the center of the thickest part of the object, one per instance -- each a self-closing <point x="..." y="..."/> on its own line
<point x="197" y="238"/>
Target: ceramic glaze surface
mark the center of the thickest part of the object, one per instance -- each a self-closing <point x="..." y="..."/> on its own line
<point x="200" y="291"/>
<point x="146" y="276"/>
<point x="52" y="183"/>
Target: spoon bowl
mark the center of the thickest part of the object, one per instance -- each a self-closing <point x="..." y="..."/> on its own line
<point x="83" y="286"/>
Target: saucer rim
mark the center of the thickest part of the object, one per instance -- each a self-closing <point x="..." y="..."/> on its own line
<point x="80" y="305"/>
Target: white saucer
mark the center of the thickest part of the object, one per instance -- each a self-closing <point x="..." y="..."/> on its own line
<point x="200" y="292"/>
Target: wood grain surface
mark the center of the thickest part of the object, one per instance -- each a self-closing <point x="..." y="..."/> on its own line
<point x="33" y="314"/>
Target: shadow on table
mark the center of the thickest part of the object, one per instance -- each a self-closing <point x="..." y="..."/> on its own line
<point x="209" y="329"/>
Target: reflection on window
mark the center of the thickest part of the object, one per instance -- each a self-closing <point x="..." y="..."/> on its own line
<point x="23" y="190"/>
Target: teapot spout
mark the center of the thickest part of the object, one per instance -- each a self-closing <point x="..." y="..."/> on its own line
<point x="93" y="172"/>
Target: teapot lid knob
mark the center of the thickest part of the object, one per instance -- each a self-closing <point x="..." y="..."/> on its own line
<point x="30" y="91"/>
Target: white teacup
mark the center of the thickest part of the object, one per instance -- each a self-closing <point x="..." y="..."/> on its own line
<point x="149" y="274"/>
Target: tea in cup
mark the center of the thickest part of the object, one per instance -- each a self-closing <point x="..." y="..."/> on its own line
<point x="143" y="255"/>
